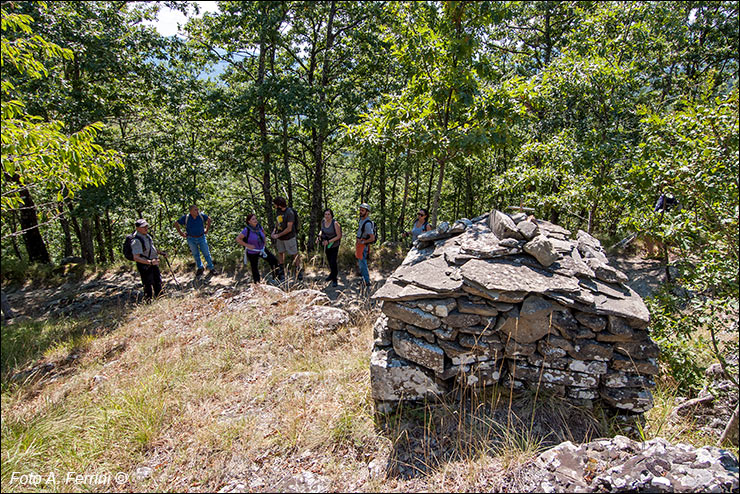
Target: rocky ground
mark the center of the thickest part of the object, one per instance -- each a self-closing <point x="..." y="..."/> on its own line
<point x="106" y="289"/>
<point x="403" y="463"/>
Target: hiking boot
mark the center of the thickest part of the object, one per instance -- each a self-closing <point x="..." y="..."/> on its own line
<point x="334" y="283"/>
<point x="328" y="278"/>
<point x="199" y="272"/>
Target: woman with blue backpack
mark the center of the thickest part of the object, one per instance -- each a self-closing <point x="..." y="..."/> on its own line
<point x="252" y="238"/>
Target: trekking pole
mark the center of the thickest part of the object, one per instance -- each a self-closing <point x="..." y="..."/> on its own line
<point x="172" y="271"/>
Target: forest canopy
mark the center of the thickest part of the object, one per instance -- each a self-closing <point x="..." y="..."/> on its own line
<point x="584" y="111"/>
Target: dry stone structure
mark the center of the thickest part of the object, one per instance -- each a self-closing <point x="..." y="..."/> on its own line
<point x="513" y="301"/>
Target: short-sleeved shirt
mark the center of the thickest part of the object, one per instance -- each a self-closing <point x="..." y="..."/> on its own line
<point x="194" y="227"/>
<point x="143" y="245"/>
<point x="283" y="218"/>
<point x="365" y="231"/>
<point x="254" y="237"/>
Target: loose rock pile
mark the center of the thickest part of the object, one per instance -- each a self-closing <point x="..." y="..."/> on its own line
<point x="623" y="465"/>
<point x="513" y="301"/>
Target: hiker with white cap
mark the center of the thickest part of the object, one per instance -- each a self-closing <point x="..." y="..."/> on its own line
<point x="366" y="235"/>
<point x="147" y="260"/>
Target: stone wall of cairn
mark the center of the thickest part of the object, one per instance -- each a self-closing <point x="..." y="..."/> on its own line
<point x="512" y="301"/>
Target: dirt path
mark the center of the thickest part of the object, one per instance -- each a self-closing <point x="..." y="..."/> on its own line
<point x="122" y="287"/>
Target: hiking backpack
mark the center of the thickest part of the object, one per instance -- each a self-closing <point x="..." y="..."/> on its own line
<point x="295" y="223"/>
<point x="375" y="230"/>
<point x="127" y="251"/>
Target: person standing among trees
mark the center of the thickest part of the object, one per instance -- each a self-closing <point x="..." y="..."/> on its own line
<point x="365" y="237"/>
<point x="421" y="225"/>
<point x="253" y="239"/>
<point x="197" y="225"/>
<point x="147" y="260"/>
<point x="665" y="202"/>
<point x="330" y="237"/>
<point x="284" y="235"/>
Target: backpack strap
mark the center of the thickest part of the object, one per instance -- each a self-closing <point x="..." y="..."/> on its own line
<point x="365" y="223"/>
<point x="141" y="238"/>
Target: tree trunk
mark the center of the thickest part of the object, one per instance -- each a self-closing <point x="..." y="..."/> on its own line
<point x="394" y="229"/>
<point x="109" y="235"/>
<point x="35" y="246"/>
<point x="592" y="217"/>
<point x="319" y="135"/>
<point x="730" y="434"/>
<point x="316" y="189"/>
<point x="86" y="241"/>
<point x="437" y="193"/>
<point x="429" y="195"/>
<point x="468" y="210"/>
<point x="404" y="202"/>
<point x="382" y="199"/>
<point x="99" y="239"/>
<point x="68" y="247"/>
<point x="262" y="124"/>
<point x="286" y="160"/>
<point x="13" y="239"/>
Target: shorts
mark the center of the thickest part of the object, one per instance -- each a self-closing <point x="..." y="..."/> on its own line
<point x="290" y="246"/>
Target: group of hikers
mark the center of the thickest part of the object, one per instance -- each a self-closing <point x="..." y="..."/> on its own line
<point x="139" y="246"/>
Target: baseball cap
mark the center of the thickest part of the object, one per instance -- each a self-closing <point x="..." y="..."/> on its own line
<point x="141" y="223"/>
<point x="364" y="205"/>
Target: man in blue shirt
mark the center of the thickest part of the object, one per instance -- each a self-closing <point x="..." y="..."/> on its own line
<point x="197" y="225"/>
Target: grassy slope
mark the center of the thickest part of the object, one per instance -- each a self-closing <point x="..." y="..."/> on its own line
<point x="205" y="394"/>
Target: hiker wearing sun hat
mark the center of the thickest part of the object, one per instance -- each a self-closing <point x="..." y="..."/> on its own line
<point x="366" y="235"/>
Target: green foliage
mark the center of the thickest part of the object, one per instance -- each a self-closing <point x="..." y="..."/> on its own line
<point x="35" y="152"/>
<point x="681" y="330"/>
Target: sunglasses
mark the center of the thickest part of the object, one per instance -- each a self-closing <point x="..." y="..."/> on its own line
<point x="421" y="214"/>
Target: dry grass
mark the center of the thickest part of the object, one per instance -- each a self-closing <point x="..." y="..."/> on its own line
<point x="205" y="394"/>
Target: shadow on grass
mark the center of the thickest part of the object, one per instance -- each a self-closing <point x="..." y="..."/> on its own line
<point x="466" y="426"/>
<point x="36" y="349"/>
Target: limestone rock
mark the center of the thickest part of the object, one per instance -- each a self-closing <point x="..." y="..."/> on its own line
<point x="457" y="320"/>
<point x="528" y="230"/>
<point x="541" y="249"/>
<point x="381" y="332"/>
<point x="553" y="376"/>
<point x="440" y="308"/>
<point x="637" y="349"/>
<point x="394" y="378"/>
<point x="410" y="315"/>
<point x="502" y="225"/>
<point x="433" y="274"/>
<point x="394" y="289"/>
<point x="321" y="318"/>
<point x="504" y="276"/>
<point x="447" y="334"/>
<point x="465" y="306"/>
<point x="620" y="464"/>
<point x="418" y="351"/>
<point x="308" y="296"/>
<point x="460" y="226"/>
<point x="592" y="321"/>
<point x="622" y="380"/>
<point x="467" y="303"/>
<point x="647" y="366"/>
<point x="636" y="400"/>
<point x="419" y="333"/>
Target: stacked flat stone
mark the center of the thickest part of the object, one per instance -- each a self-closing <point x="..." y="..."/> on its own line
<point x="512" y="301"/>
